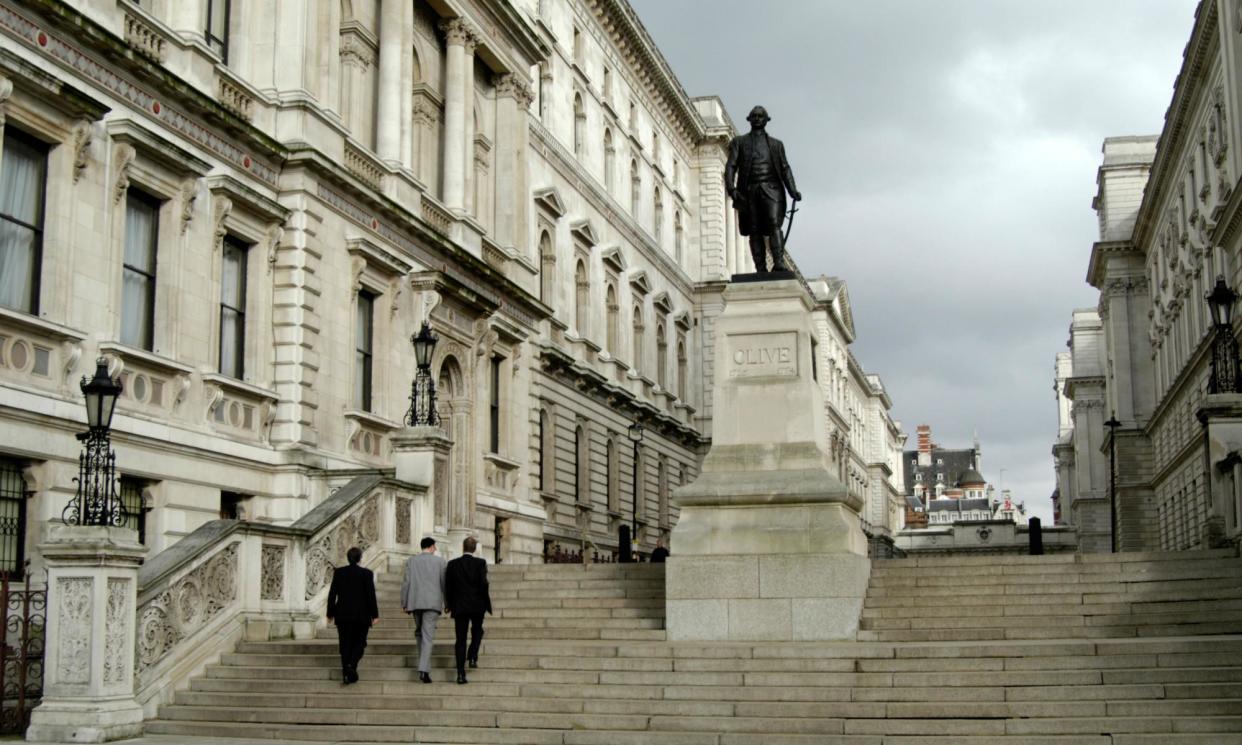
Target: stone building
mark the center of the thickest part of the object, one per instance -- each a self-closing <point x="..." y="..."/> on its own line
<point x="945" y="486"/>
<point x="865" y="441"/>
<point x="1168" y="219"/>
<point x="247" y="209"/>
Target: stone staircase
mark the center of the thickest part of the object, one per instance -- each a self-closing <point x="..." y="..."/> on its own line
<point x="576" y="656"/>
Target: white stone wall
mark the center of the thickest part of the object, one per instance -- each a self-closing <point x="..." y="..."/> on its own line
<point x="366" y="148"/>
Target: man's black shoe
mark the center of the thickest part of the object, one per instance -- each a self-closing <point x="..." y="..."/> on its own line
<point x="461" y="678"/>
<point x="472" y="663"/>
<point x="425" y="677"/>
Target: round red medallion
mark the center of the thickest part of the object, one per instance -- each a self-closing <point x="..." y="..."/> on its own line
<point x="156" y="108"/>
<point x="246" y="162"/>
<point x="374" y="224"/>
<point x="42" y="39"/>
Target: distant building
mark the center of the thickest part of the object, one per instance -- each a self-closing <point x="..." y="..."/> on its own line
<point x="945" y="486"/>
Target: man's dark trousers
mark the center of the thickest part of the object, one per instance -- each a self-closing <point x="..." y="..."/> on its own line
<point x="352" y="636"/>
<point x="475" y="623"/>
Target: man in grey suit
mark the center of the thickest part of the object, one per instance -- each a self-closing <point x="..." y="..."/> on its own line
<point x="422" y="596"/>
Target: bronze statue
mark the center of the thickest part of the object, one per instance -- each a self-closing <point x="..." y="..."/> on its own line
<point x="757" y="176"/>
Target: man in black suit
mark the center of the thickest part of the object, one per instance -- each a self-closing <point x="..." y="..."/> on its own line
<point x="467" y="599"/>
<point x="352" y="607"/>
<point x="757" y="175"/>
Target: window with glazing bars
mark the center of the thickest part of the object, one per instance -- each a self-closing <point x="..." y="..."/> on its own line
<point x="138" y="276"/>
<point x="135" y="511"/>
<point x="217" y="31"/>
<point x="494" y="406"/>
<point x="23" y="180"/>
<point x="13" y="495"/>
<point x="364" y="336"/>
<point x="233" y="309"/>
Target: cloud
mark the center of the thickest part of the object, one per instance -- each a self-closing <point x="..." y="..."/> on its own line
<point x="948" y="153"/>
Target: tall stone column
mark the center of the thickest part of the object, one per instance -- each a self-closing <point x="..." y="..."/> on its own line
<point x="513" y="97"/>
<point x="391" y="64"/>
<point x="467" y="97"/>
<point x="407" y="85"/>
<point x="459" y="61"/>
<point x="88" y="676"/>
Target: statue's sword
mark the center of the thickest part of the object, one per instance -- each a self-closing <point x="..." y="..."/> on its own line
<point x="793" y="210"/>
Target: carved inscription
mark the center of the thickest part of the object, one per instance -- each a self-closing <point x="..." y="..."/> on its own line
<point x="767" y="355"/>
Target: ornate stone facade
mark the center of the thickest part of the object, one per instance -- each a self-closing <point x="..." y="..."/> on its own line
<point x="73" y="648"/>
<point x="272" y="579"/>
<point x="189" y="604"/>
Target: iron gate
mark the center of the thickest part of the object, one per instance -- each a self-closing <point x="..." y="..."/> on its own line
<point x="21" y="653"/>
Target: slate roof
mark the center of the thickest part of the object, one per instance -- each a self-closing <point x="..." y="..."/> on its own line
<point x="955" y="463"/>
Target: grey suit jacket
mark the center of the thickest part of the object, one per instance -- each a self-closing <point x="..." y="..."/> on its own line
<point x="423" y="585"/>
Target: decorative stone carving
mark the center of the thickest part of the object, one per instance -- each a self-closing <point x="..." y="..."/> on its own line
<point x="6" y="90"/>
<point x="356" y="51"/>
<point x="510" y="85"/>
<point x="82" y="131"/>
<point x="233" y="98"/>
<point x="360" y="528"/>
<point x="272" y="575"/>
<point x="189" y="195"/>
<point x="220" y="208"/>
<point x="123" y="158"/>
<point x="402" y="519"/>
<point x="186" y="606"/>
<point x="73" y="653"/>
<point x="272" y="239"/>
<point x="426" y="112"/>
<point x="117" y="632"/>
<point x="457" y="31"/>
<point x="143" y="38"/>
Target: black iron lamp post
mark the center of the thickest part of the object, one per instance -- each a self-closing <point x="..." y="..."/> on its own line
<point x="1112" y="425"/>
<point x="422" y="411"/>
<point x="1221" y="301"/>
<point x="635" y="433"/>
<point x="97" y="501"/>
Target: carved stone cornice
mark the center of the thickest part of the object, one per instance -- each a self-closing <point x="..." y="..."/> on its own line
<point x="510" y="85"/>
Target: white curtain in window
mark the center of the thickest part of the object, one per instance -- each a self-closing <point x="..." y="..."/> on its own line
<point x="21" y="220"/>
<point x="138" y="292"/>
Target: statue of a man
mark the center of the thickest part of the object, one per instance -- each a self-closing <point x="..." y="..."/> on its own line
<point x="757" y="176"/>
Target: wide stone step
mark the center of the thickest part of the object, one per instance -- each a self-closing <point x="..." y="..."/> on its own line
<point x="1122" y="570"/>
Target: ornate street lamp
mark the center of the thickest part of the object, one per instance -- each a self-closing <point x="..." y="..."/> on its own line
<point x="1225" y="378"/>
<point x="97" y="501"/>
<point x="422" y="411"/>
<point x="635" y="433"/>
<point x="1112" y="425"/>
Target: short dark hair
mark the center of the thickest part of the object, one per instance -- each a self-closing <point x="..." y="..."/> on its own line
<point x="354" y="555"/>
<point x="469" y="545"/>
<point x="427" y="543"/>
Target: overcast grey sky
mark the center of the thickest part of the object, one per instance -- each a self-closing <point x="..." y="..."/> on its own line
<point x="947" y="154"/>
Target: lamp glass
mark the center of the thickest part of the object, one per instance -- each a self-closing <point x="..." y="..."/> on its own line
<point x="1220" y="302"/>
<point x="424" y="344"/>
<point x="636" y="432"/>
<point x="101" y="393"/>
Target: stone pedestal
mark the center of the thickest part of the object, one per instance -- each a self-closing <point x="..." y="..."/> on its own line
<point x="769" y="545"/>
<point x="88" y="676"/>
<point x="420" y="456"/>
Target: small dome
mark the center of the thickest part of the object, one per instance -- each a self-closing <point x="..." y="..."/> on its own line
<point x="971" y="477"/>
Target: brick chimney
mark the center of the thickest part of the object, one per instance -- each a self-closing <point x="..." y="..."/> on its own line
<point x="925" y="444"/>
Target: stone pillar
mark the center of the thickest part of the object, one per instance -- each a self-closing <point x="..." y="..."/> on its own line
<point x="420" y="456"/>
<point x="467" y="96"/>
<point x="513" y="98"/>
<point x="458" y="37"/>
<point x="88" y="676"/>
<point x="407" y="85"/>
<point x="769" y="544"/>
<point x="391" y="64"/>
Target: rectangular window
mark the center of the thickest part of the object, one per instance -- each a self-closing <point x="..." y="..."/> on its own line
<point x="233" y="308"/>
<point x="217" y="31"/>
<point x="135" y="510"/>
<point x="494" y="405"/>
<point x="13" y="495"/>
<point x="364" y="331"/>
<point x="23" y="181"/>
<point x="138" y="282"/>
<point x="233" y="505"/>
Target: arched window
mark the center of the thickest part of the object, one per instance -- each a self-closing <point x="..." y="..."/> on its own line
<point x="547" y="453"/>
<point x="582" y="484"/>
<point x="614" y="493"/>
<point x="610" y="161"/>
<point x="547" y="269"/>
<point x="661" y="356"/>
<point x="682" y="363"/>
<point x="579" y="125"/>
<point x="636" y="184"/>
<point x="614" y="311"/>
<point x="638" y="337"/>
<point x="679" y="236"/>
<point x="657" y="228"/>
<point x="582" y="302"/>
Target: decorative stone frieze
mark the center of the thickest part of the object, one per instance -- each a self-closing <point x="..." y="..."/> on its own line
<point x="272" y="573"/>
<point x="186" y="606"/>
<point x="360" y="528"/>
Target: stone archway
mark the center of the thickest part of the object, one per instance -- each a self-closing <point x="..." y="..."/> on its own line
<point x="453" y="509"/>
